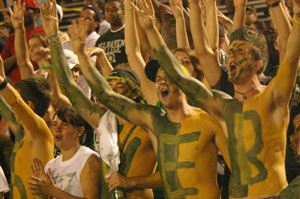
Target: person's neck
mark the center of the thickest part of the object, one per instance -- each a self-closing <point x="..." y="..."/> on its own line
<point x="115" y="28"/>
<point x="179" y="113"/>
<point x="69" y="153"/>
<point x="248" y="89"/>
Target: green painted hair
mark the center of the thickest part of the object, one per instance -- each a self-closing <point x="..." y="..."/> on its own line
<point x="258" y="43"/>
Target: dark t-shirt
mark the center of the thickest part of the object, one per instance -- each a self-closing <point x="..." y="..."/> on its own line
<point x="113" y="43"/>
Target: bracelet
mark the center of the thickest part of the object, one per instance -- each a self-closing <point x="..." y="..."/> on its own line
<point x="296" y="20"/>
<point x="47" y="67"/>
<point x="275" y="4"/>
<point x="3" y="84"/>
<point x="53" y="37"/>
<point x="128" y="9"/>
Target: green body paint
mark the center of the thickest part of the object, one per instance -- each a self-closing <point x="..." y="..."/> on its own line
<point x="169" y="140"/>
<point x="16" y="181"/>
<point x="241" y="175"/>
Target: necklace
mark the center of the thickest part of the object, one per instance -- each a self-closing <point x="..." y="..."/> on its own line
<point x="244" y="95"/>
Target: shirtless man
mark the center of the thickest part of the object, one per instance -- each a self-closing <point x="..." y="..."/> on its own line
<point x="186" y="151"/>
<point x="33" y="139"/>
<point x="257" y="119"/>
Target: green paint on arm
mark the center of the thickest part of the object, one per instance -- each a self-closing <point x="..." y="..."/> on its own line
<point x="64" y="76"/>
<point x="7" y="113"/>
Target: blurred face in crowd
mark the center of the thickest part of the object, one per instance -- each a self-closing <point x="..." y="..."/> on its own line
<point x="240" y="62"/>
<point x="4" y="32"/>
<point x="88" y="14"/>
<point x="168" y="93"/>
<point x="185" y="60"/>
<point x="65" y="135"/>
<point x="114" y="13"/>
<point x="121" y="87"/>
<point x="37" y="50"/>
<point x="250" y="17"/>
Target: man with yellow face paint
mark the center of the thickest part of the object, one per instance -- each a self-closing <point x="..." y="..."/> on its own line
<point x="256" y="120"/>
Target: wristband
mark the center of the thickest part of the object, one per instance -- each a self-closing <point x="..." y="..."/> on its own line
<point x="53" y="37"/>
<point x="296" y="20"/>
<point x="128" y="9"/>
<point x="3" y="84"/>
<point x="47" y="67"/>
<point x="275" y="4"/>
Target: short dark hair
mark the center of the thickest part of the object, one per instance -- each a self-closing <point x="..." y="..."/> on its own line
<point x="120" y="1"/>
<point x="69" y="115"/>
<point x="37" y="90"/>
<point x="257" y="42"/>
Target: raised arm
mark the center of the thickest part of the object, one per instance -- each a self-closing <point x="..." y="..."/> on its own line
<point x="87" y="109"/>
<point x="212" y="25"/>
<point x="102" y="62"/>
<point x="22" y="52"/>
<point x="136" y="61"/>
<point x="286" y="76"/>
<point x="136" y="113"/>
<point x="196" y="92"/>
<point x="208" y="59"/>
<point x="282" y="25"/>
<point x="181" y="31"/>
<point x="239" y="14"/>
<point x="26" y="116"/>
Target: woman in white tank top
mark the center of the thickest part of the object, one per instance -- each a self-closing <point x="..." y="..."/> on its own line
<point x="76" y="172"/>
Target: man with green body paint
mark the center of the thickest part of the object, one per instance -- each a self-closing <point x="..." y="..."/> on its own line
<point x="256" y="120"/>
<point x="187" y="152"/>
<point x="137" y="153"/>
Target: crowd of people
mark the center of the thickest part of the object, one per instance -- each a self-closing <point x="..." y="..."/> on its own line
<point x="144" y="99"/>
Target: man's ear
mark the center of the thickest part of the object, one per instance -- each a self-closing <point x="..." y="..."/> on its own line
<point x="258" y="65"/>
<point x="31" y="105"/>
<point x="80" y="131"/>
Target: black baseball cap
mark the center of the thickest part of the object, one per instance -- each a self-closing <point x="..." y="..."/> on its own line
<point x="151" y="69"/>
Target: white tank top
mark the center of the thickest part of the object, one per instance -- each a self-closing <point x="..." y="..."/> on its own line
<point x="66" y="174"/>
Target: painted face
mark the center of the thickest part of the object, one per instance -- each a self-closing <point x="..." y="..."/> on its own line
<point x="120" y="87"/>
<point x="114" y="13"/>
<point x="185" y="60"/>
<point x="88" y="14"/>
<point x="240" y="63"/>
<point x="36" y="47"/>
<point x="169" y="94"/>
<point x="65" y="135"/>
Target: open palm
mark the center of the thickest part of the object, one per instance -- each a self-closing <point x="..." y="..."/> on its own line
<point x="17" y="16"/>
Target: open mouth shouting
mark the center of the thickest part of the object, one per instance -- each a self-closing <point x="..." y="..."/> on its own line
<point x="164" y="91"/>
<point x="232" y="68"/>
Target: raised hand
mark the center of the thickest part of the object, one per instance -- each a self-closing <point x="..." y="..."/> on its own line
<point x="177" y="7"/>
<point x="17" y="16"/>
<point x="49" y="17"/>
<point x="95" y="51"/>
<point x="78" y="34"/>
<point x="146" y="14"/>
